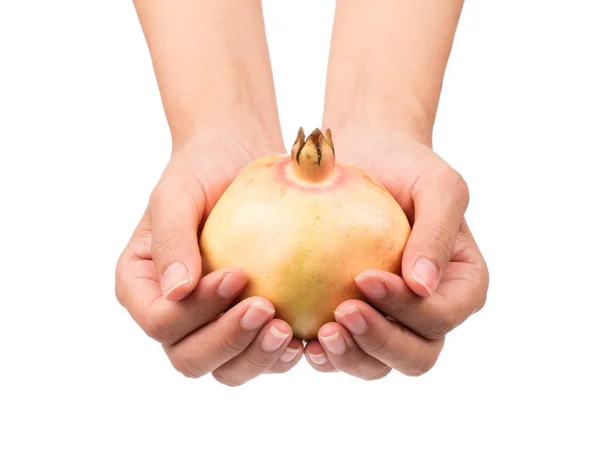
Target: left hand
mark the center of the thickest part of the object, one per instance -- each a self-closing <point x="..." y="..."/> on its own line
<point x="194" y="316"/>
<point x="444" y="276"/>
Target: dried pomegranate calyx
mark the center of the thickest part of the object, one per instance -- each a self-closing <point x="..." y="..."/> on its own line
<point x="313" y="158"/>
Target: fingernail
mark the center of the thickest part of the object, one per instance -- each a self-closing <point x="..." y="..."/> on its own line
<point x="231" y="285"/>
<point x="426" y="273"/>
<point x="288" y="355"/>
<point x="334" y="343"/>
<point x="372" y="286"/>
<point x="318" y="358"/>
<point x="257" y="314"/>
<point x="352" y="319"/>
<point x="175" y="276"/>
<point x="273" y="339"/>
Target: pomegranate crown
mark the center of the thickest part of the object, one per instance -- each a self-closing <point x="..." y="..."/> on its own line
<point x="313" y="157"/>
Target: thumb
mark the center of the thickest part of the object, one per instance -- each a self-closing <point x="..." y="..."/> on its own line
<point x="176" y="211"/>
<point x="440" y="204"/>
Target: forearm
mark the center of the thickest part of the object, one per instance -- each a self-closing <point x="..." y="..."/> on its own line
<point x="212" y="65"/>
<point x="387" y="64"/>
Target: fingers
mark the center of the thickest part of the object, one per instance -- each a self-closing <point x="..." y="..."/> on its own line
<point x="317" y="358"/>
<point x="210" y="347"/>
<point x="461" y="293"/>
<point x="431" y="317"/>
<point x="170" y="321"/>
<point x="440" y="202"/>
<point x="386" y="341"/>
<point x="345" y="355"/>
<point x="289" y="358"/>
<point x="263" y="353"/>
<point x="166" y="321"/>
<point x="176" y="208"/>
<point x="133" y="266"/>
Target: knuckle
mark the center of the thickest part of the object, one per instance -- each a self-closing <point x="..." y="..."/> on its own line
<point x="457" y="185"/>
<point x="381" y="346"/>
<point x="167" y="240"/>
<point x="227" y="380"/>
<point x="439" y="327"/>
<point x="481" y="304"/>
<point x="485" y="282"/>
<point x="259" y="364"/>
<point x="158" y="327"/>
<point x="400" y="309"/>
<point x="420" y="367"/>
<point x="159" y="191"/>
<point x="121" y="289"/>
<point x="183" y="182"/>
<point x="481" y="279"/>
<point x="192" y="186"/>
<point x="353" y="368"/>
<point x="120" y="292"/>
<point x="441" y="241"/>
<point x="486" y="277"/>
<point x="204" y="311"/>
<point x="482" y="301"/>
<point x="281" y="368"/>
<point x="378" y="375"/>
<point x="184" y="366"/>
<point x="230" y="346"/>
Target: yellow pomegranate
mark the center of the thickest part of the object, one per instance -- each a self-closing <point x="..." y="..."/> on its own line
<point x="302" y="227"/>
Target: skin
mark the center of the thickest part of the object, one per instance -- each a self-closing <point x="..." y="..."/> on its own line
<point x="382" y="83"/>
<point x="370" y="95"/>
<point x="221" y="117"/>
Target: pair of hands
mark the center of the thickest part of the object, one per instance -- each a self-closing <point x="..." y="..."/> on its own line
<point x="444" y="276"/>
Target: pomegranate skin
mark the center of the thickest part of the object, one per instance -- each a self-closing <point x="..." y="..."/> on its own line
<point x="302" y="242"/>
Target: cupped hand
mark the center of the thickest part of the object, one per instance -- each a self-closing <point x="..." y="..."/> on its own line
<point x="159" y="274"/>
<point x="444" y="277"/>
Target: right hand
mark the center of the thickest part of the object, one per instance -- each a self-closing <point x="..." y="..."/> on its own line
<point x="158" y="275"/>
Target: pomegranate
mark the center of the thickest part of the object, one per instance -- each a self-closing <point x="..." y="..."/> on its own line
<point x="302" y="227"/>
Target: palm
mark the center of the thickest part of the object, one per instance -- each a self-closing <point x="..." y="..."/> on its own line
<point x="396" y="160"/>
<point x="203" y="172"/>
<point x="362" y="341"/>
<point x="200" y="325"/>
<point x="399" y="162"/>
<point x="213" y="162"/>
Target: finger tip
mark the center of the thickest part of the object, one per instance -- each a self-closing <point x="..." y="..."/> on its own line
<point x="317" y="358"/>
<point x="234" y="270"/>
<point x="296" y="344"/>
<point x="289" y="355"/>
<point x="424" y="274"/>
<point x="261" y="302"/>
<point x="366" y="274"/>
<point x="178" y="291"/>
<point x="418" y="288"/>
<point x="313" y="346"/>
<point x="265" y="306"/>
<point x="347" y="307"/>
<point x="282" y="326"/>
<point x="328" y="329"/>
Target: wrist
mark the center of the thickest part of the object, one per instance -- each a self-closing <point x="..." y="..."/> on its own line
<point x="387" y="63"/>
<point x="212" y="66"/>
<point x="380" y="116"/>
<point x="240" y="124"/>
<point x="241" y="140"/>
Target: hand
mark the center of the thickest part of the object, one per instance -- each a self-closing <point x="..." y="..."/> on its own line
<point x="158" y="276"/>
<point x="444" y="276"/>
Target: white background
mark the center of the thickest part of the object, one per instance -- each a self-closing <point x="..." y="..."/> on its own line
<point x="83" y="139"/>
